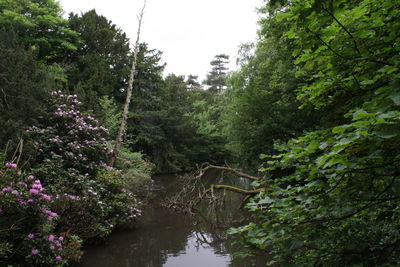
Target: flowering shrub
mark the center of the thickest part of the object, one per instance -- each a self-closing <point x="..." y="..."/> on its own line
<point x="67" y="138"/>
<point x="122" y="203"/>
<point x="71" y="151"/>
<point x="100" y="206"/>
<point x="27" y="223"/>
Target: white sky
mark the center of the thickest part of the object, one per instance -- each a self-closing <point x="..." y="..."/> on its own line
<point x="188" y="32"/>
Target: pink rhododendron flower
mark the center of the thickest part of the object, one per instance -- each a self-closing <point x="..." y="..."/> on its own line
<point x="37" y="186"/>
<point x="47" y="197"/>
<point x="34" y="191"/>
<point x="11" y="165"/>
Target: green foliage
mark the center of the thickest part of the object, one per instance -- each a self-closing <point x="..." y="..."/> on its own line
<point x="341" y="45"/>
<point x="111" y="115"/>
<point x="206" y="115"/>
<point x="136" y="171"/>
<point x="135" y="160"/>
<point x="122" y="205"/>
<point x="261" y="106"/>
<point x="178" y="129"/>
<point x="143" y="130"/>
<point x="332" y="196"/>
<point x="173" y="137"/>
<point x="341" y="197"/>
<point x="23" y="85"/>
<point x="100" y="65"/>
<point x="40" y="26"/>
<point x="160" y="123"/>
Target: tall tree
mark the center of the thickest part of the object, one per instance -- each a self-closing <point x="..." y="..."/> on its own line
<point x="216" y="78"/>
<point x="261" y="105"/>
<point x="176" y="152"/>
<point x="125" y="113"/>
<point x="23" y="83"/>
<point x="143" y="128"/>
<point x="100" y="65"/>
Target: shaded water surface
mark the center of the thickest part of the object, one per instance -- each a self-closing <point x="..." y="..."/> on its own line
<point x="165" y="238"/>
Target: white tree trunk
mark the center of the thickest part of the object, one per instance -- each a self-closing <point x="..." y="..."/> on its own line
<point x="124" y="119"/>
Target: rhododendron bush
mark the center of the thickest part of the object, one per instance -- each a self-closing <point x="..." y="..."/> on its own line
<point x="67" y="140"/>
<point x="69" y="195"/>
<point x="28" y="232"/>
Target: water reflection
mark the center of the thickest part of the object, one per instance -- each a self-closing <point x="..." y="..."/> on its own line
<point x="165" y="238"/>
<point x="196" y="254"/>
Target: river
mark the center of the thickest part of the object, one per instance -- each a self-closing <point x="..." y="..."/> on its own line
<point x="163" y="238"/>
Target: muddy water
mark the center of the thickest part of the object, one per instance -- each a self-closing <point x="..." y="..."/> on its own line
<point x="164" y="238"/>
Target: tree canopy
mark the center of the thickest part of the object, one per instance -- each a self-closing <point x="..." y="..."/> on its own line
<point x="331" y="197"/>
<point x="39" y="25"/>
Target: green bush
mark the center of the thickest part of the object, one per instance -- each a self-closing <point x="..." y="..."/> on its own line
<point x="136" y="171"/>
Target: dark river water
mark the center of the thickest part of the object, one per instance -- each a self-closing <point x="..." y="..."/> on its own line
<point x="166" y="238"/>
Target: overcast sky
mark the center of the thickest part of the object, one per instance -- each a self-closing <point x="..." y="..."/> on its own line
<point x="188" y="32"/>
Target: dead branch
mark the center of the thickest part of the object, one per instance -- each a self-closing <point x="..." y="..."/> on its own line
<point x="224" y="168"/>
<point x="17" y="152"/>
<point x="238" y="190"/>
<point x="12" y="228"/>
<point x="194" y="191"/>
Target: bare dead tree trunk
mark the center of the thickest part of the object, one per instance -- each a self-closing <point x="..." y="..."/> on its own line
<point x="122" y="127"/>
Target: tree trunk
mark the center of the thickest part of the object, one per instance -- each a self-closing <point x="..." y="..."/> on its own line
<point x="122" y="127"/>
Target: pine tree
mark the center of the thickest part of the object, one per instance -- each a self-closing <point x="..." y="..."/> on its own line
<point x="216" y="78"/>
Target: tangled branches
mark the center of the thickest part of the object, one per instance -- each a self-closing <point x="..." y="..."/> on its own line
<point x="195" y="188"/>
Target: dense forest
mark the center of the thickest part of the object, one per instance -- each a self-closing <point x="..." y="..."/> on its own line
<point x="314" y="109"/>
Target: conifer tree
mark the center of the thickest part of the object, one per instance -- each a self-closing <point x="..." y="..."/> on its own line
<point x="216" y="78"/>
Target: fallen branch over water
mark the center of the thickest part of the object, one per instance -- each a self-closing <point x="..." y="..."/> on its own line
<point x="238" y="190"/>
<point x="229" y="169"/>
<point x="193" y="190"/>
